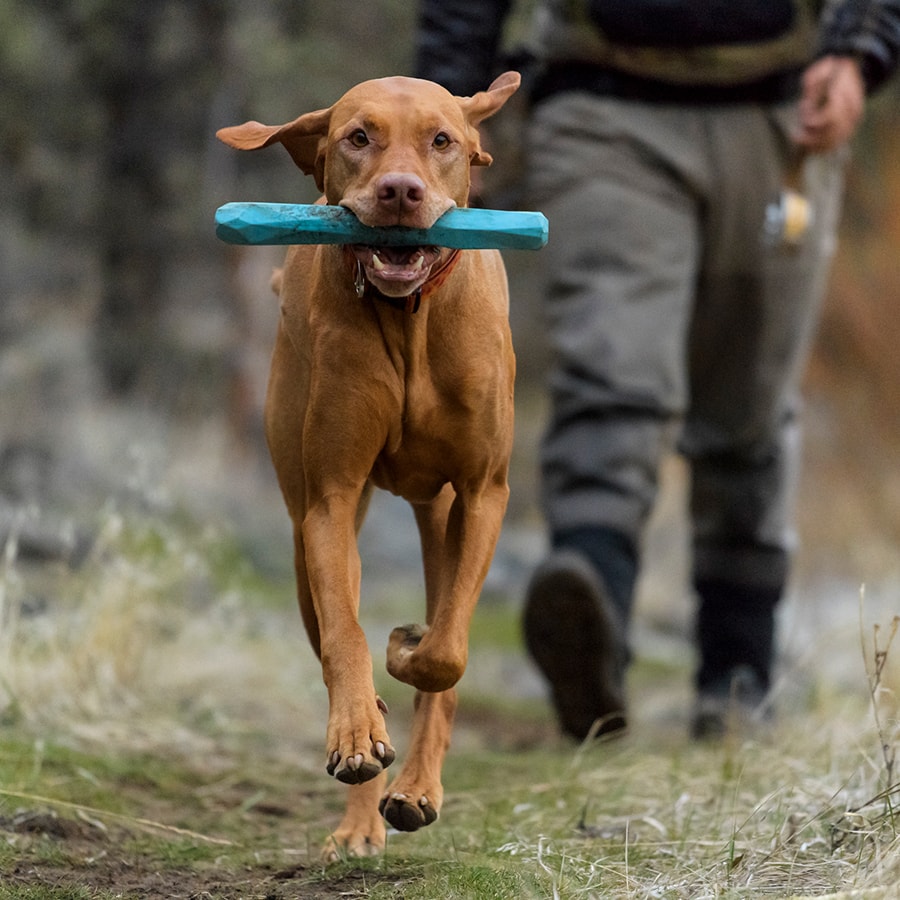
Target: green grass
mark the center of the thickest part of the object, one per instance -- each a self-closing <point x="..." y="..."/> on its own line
<point x="48" y="893"/>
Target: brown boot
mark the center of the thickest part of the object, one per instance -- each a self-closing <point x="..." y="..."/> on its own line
<point x="575" y="635"/>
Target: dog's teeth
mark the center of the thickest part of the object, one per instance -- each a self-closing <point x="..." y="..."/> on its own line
<point x="417" y="265"/>
<point x="377" y="262"/>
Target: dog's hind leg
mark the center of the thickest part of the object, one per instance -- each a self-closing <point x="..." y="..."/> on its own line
<point x="362" y="830"/>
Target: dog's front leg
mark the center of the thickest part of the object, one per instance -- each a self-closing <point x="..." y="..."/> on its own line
<point x="458" y="535"/>
<point x="415" y="796"/>
<point x="458" y="548"/>
<point x="357" y="743"/>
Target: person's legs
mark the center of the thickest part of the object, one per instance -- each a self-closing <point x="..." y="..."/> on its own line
<point x="756" y="312"/>
<point x="619" y="183"/>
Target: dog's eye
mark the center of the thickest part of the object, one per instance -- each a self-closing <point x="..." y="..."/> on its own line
<point x="441" y="141"/>
<point x="359" y="138"/>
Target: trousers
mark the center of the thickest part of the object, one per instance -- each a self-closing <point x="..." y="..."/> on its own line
<point x="675" y="320"/>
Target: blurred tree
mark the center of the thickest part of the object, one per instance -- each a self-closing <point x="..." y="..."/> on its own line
<point x="109" y="114"/>
<point x="137" y="60"/>
<point x="110" y="173"/>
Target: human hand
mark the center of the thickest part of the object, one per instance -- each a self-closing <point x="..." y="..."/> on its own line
<point x="831" y="104"/>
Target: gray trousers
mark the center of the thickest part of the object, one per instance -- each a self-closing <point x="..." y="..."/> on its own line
<point x="669" y="314"/>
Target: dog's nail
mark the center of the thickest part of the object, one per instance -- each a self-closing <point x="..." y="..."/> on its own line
<point x="381" y="705"/>
<point x="332" y="761"/>
<point x="386" y="754"/>
<point x="355" y="762"/>
<point x="382" y="752"/>
<point x="423" y="800"/>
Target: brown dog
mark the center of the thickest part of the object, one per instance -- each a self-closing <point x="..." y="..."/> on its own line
<point x="392" y="367"/>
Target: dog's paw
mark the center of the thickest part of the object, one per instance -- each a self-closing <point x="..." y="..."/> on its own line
<point x="357" y="746"/>
<point x="341" y="847"/>
<point x="357" y="768"/>
<point x="405" y="638"/>
<point x="362" y="831"/>
<point x="431" y="667"/>
<point x="404" y="815"/>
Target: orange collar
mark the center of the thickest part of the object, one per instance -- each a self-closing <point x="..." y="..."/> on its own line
<point x="410" y="304"/>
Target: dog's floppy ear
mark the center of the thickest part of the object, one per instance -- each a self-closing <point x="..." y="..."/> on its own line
<point x="482" y="106"/>
<point x="304" y="139"/>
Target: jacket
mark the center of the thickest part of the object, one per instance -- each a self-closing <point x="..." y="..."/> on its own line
<point x="458" y="41"/>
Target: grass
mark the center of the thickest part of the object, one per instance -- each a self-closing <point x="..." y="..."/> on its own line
<point x="162" y="728"/>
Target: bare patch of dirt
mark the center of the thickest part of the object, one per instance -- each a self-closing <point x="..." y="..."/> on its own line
<point x="122" y="878"/>
<point x="57" y="852"/>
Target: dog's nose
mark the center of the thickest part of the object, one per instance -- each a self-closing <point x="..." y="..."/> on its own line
<point x="401" y="191"/>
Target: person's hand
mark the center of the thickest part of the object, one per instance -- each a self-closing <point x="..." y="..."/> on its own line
<point x="831" y="104"/>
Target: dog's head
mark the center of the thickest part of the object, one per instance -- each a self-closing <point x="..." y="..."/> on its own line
<point x="395" y="151"/>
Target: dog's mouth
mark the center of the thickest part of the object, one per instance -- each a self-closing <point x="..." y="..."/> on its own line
<point x="396" y="271"/>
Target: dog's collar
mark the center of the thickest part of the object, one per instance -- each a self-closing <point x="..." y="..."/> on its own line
<point x="410" y="304"/>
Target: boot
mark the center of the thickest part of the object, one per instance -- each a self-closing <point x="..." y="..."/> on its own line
<point x="575" y="625"/>
<point x="736" y="639"/>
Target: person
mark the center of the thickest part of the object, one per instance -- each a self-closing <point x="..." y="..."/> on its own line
<point x="661" y="134"/>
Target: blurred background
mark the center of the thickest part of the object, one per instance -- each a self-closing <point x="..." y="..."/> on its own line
<point x="134" y="346"/>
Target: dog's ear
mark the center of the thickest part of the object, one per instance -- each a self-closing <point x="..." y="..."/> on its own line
<point x="482" y="106"/>
<point x="304" y="139"/>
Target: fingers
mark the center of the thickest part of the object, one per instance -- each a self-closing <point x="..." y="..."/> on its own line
<point x="831" y="104"/>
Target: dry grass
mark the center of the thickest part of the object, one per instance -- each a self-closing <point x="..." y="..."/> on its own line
<point x="165" y="644"/>
<point x="149" y="647"/>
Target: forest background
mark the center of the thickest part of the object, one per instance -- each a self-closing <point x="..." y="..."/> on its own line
<point x="133" y="356"/>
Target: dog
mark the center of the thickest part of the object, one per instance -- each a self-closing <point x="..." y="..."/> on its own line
<point x="393" y="367"/>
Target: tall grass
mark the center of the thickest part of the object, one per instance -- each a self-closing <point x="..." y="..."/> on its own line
<point x="163" y="638"/>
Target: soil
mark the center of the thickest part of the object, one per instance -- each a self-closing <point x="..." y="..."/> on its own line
<point x="97" y="859"/>
<point x="81" y="851"/>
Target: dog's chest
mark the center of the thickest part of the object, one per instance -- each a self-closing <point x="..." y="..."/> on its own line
<point x="440" y="431"/>
<point x="425" y="444"/>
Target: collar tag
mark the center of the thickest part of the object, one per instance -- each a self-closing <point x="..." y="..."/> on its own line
<point x="359" y="280"/>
